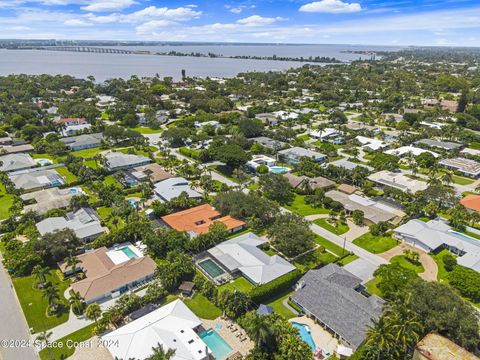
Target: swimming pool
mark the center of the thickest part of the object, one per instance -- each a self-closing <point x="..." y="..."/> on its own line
<point x="211" y="268"/>
<point x="215" y="342"/>
<point x="465" y="237"/>
<point x="127" y="251"/>
<point x="305" y="334"/>
<point x="279" y="169"/>
<point x="133" y="202"/>
<point x="74" y="191"/>
<point x="43" y="162"/>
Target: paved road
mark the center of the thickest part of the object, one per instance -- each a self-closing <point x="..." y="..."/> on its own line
<point x="12" y="323"/>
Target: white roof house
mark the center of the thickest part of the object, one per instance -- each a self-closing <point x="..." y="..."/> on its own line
<point x="85" y="223"/>
<point x="468" y="167"/>
<point x="435" y="234"/>
<point x="258" y="160"/>
<point x="371" y="143"/>
<point x="173" y="326"/>
<point x="168" y="189"/>
<point x="398" y="181"/>
<point x="409" y="149"/>
<point x="13" y="162"/>
<point x="325" y="134"/>
<point x="118" y="160"/>
<point x="35" y="178"/>
<point x="242" y="254"/>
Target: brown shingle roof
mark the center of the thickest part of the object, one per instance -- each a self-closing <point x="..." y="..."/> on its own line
<point x="154" y="171"/>
<point x="347" y="189"/>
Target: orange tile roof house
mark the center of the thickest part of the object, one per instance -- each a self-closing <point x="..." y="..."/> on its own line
<point x="471" y="202"/>
<point x="197" y="220"/>
<point x="110" y="272"/>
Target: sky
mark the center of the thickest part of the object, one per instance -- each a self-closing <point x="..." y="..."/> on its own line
<point x="369" y="22"/>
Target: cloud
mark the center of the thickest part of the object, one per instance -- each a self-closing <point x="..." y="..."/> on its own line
<point x="75" y="22"/>
<point x="237" y="9"/>
<point x="257" y="20"/>
<point x="108" y="5"/>
<point x="153" y="12"/>
<point x="331" y="7"/>
<point x="154" y="25"/>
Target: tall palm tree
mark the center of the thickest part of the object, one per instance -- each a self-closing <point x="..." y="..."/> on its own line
<point x="93" y="312"/>
<point x="160" y="354"/>
<point x="44" y="337"/>
<point x="379" y="337"/>
<point x="447" y="178"/>
<point x="40" y="273"/>
<point x="76" y="301"/>
<point x="71" y="262"/>
<point x="261" y="331"/>
<point x="50" y="292"/>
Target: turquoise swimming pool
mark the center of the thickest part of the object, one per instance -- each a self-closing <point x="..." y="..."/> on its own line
<point x="305" y="334"/>
<point x="129" y="252"/>
<point x="279" y="169"/>
<point x="215" y="342"/>
<point x="211" y="268"/>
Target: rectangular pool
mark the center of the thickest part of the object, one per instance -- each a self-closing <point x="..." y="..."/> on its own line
<point x="129" y="252"/>
<point x="211" y="268"/>
<point x="215" y="342"/>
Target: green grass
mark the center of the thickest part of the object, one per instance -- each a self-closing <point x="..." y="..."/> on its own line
<point x="240" y="284"/>
<point x="375" y="244"/>
<point x="146" y="130"/>
<point x="45" y="156"/>
<point x="299" y="207"/>
<point x="347" y="259"/>
<point x="34" y="305"/>
<point x="372" y="288"/>
<point x="86" y="153"/>
<point x="67" y="175"/>
<point x="6" y="201"/>
<point x="313" y="260"/>
<point x="110" y="179"/>
<point x="476" y="236"/>
<point x="461" y="180"/>
<point x="442" y="275"/>
<point x="403" y="261"/>
<point x="277" y="304"/>
<point x="104" y="213"/>
<point x="67" y="351"/>
<point x="202" y="307"/>
<point x="327" y="244"/>
<point x="91" y="164"/>
<point x="338" y="230"/>
<point x="303" y="137"/>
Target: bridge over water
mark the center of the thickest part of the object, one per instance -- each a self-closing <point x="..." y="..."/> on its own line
<point x="89" y="49"/>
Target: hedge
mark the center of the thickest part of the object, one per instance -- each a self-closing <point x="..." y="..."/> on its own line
<point x="275" y="287"/>
<point x="191" y="153"/>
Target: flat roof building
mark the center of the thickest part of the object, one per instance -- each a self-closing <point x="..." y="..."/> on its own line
<point x="295" y="154"/>
<point x="398" y="181"/>
<point x="465" y="166"/>
<point x="44" y="200"/>
<point x="14" y="162"/>
<point x="445" y="145"/>
<point x="119" y="160"/>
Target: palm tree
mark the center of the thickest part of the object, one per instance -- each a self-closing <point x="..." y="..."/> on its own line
<point x="76" y="301"/>
<point x="447" y="178"/>
<point x="44" y="337"/>
<point x="50" y="292"/>
<point x="379" y="337"/>
<point x="160" y="354"/>
<point x="261" y="331"/>
<point x="93" y="312"/>
<point x="71" y="262"/>
<point x="40" y="273"/>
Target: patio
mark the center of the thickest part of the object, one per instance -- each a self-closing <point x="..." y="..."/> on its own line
<point x="322" y="338"/>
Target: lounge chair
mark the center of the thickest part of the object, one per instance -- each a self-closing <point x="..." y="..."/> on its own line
<point x="233" y="329"/>
<point x="243" y="338"/>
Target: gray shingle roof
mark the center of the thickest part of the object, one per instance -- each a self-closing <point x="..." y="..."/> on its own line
<point x="329" y="294"/>
<point x="83" y="140"/>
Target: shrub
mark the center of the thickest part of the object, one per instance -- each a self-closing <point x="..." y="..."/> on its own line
<point x="449" y="261"/>
<point x="275" y="287"/>
<point x="466" y="281"/>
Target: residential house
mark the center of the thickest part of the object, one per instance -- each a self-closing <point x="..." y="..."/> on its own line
<point x="371" y="143"/>
<point x="373" y="211"/>
<point x="242" y="256"/>
<point x="397" y="181"/>
<point x="152" y="172"/>
<point x="258" y="160"/>
<point x="471" y="202"/>
<point x="198" y="220"/>
<point x="36" y="178"/>
<point x="269" y="143"/>
<point x="465" y="166"/>
<point x="437" y="347"/>
<point x="435" y="235"/>
<point x="117" y="160"/>
<point x="444" y="145"/>
<point x="16" y="148"/>
<point x="318" y="182"/>
<point x="349" y="165"/>
<point x="329" y="135"/>
<point x="404" y="150"/>
<point x="332" y="295"/>
<point x="71" y="126"/>
<point x="171" y="188"/>
<point x="84" y="141"/>
<point x="173" y="326"/>
<point x="110" y="272"/>
<point x="14" y="162"/>
<point x="44" y="200"/>
<point x="267" y="118"/>
<point x="295" y="154"/>
<point x="85" y="223"/>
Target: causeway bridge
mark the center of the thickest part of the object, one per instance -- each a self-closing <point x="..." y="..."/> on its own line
<point x="88" y="49"/>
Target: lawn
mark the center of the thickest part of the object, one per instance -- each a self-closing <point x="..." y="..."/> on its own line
<point x="45" y="156"/>
<point x="299" y="207"/>
<point x="6" y="201"/>
<point x="92" y="164"/>
<point x="460" y="180"/>
<point x="347" y="259"/>
<point x="303" y="137"/>
<point x="375" y="244"/>
<point x="372" y="288"/>
<point x="403" y="261"/>
<point x="67" y="351"/>
<point x="277" y="304"/>
<point x="337" y="230"/>
<point x="104" y="213"/>
<point x="313" y="260"/>
<point x="442" y="275"/>
<point x="34" y="305"/>
<point x="146" y="130"/>
<point x="202" y="307"/>
<point x="110" y="179"/>
<point x="240" y="284"/>
<point x="86" y="153"/>
<point x="330" y="246"/>
<point x="68" y="176"/>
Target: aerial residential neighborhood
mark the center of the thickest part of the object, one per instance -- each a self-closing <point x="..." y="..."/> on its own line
<point x="324" y="212"/>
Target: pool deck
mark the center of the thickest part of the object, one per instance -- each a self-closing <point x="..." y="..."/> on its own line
<point x="243" y="347"/>
<point x="322" y="338"/>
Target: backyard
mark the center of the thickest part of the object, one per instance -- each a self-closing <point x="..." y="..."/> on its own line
<point x="6" y="201"/>
<point x="35" y="305"/>
<point x="202" y="307"/>
<point x="299" y="207"/>
<point x="375" y="244"/>
<point x="86" y="153"/>
<point x="240" y="284"/>
<point x="277" y="304"/>
<point x="67" y="175"/>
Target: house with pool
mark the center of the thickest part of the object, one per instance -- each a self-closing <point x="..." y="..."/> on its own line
<point x="295" y="154"/>
<point x="333" y="298"/>
<point x="53" y="198"/>
<point x="35" y="179"/>
<point x="13" y="162"/>
<point x="173" y="326"/>
<point x="241" y="256"/>
<point x="84" y="141"/>
<point x="118" y="160"/>
<point x="269" y="162"/>
<point x="110" y="272"/>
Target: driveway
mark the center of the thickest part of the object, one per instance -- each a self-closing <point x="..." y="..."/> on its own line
<point x="13" y="325"/>
<point x="362" y="269"/>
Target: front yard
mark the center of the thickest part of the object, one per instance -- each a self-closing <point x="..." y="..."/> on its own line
<point x="277" y="304"/>
<point x="330" y="246"/>
<point x="64" y="352"/>
<point x="375" y="244"/>
<point x="339" y="229"/>
<point x="403" y="261"/>
<point x="299" y="207"/>
<point x="6" y="201"/>
<point x="34" y="305"/>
